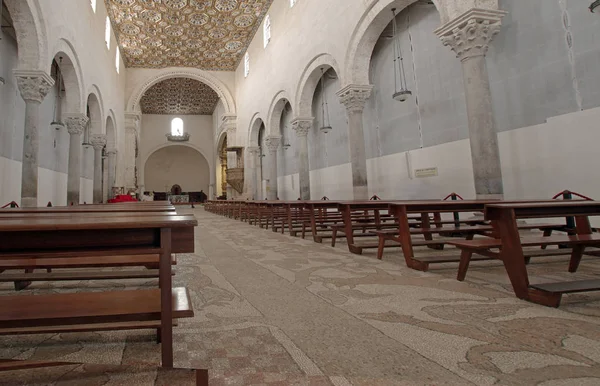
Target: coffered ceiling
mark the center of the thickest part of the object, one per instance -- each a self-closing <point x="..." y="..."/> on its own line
<point x="179" y="96"/>
<point x="205" y="34"/>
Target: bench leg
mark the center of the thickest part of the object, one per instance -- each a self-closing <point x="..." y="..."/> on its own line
<point x="463" y="267"/>
<point x="333" y="236"/>
<point x="380" y="247"/>
<point x="21" y="284"/>
<point x="158" y="336"/>
<point x="547" y="233"/>
<point x="576" y="256"/>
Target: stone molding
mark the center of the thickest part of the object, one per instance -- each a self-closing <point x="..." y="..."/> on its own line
<point x="354" y="96"/>
<point x="253" y="150"/>
<point x="76" y="123"/>
<point x="110" y="152"/>
<point x="33" y="85"/>
<point x="98" y="141"/>
<point x="470" y="34"/>
<point x="302" y="126"/>
<point x="273" y="143"/>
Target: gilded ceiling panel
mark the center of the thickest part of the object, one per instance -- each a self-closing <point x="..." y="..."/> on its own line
<point x="205" y="34"/>
<point x="179" y="96"/>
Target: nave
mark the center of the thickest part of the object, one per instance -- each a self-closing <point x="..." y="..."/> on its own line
<point x="274" y="309"/>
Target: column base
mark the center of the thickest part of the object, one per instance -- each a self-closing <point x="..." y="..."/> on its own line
<point x="29" y="202"/>
<point x="361" y="192"/>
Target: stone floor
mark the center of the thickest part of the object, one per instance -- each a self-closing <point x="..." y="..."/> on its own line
<point x="276" y="310"/>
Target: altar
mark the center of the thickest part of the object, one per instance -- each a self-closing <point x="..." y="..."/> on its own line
<point x="178" y="198"/>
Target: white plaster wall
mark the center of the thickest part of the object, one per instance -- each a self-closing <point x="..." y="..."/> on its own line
<point x="52" y="187"/>
<point x="10" y="172"/>
<point x="334" y="182"/>
<point x="288" y="187"/>
<point x="86" y="189"/>
<point x="179" y="165"/>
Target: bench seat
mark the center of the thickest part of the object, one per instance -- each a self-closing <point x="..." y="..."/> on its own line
<point x="150" y="260"/>
<point x="80" y="275"/>
<point x="89" y="307"/>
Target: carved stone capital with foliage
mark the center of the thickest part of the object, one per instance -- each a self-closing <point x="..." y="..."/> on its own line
<point x="98" y="141"/>
<point x="470" y="34"/>
<point x="302" y="126"/>
<point x="33" y="85"/>
<point x="354" y="96"/>
<point x="273" y="143"/>
<point x="76" y="123"/>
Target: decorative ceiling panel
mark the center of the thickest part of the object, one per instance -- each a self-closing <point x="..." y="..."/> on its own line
<point x="179" y="96"/>
<point x="205" y="34"/>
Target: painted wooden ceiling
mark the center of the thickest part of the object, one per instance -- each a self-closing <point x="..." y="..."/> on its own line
<point x="206" y="34"/>
<point x="179" y="96"/>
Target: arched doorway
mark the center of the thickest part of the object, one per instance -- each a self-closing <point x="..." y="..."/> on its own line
<point x="176" y="166"/>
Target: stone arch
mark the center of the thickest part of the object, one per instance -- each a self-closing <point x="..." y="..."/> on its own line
<point x="255" y="124"/>
<point x="111" y="132"/>
<point x="70" y="68"/>
<point x="187" y="144"/>
<point x="374" y="20"/>
<point x="277" y="105"/>
<point x="308" y="83"/>
<point x="94" y="103"/>
<point x="199" y="75"/>
<point x="31" y="31"/>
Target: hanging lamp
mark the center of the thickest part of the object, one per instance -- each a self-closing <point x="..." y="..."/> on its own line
<point x="326" y="128"/>
<point x="401" y="91"/>
<point x="594" y="5"/>
<point x="57" y="124"/>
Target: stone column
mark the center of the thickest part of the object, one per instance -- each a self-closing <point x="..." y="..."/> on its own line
<point x="132" y="120"/>
<point x="253" y="164"/>
<point x="354" y="97"/>
<point x="112" y="170"/>
<point x="272" y="143"/>
<point x="98" y="142"/>
<point x="33" y="86"/>
<point x="75" y="126"/>
<point x="469" y="36"/>
<point x="302" y="126"/>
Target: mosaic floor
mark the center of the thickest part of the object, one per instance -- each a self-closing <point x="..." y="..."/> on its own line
<point x="276" y="310"/>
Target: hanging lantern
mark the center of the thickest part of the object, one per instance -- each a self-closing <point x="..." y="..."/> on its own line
<point x="326" y="128"/>
<point x="401" y="91"/>
<point x="57" y="124"/>
<point x="594" y="5"/>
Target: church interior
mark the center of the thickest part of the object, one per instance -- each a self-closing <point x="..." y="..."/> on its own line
<point x="299" y="192"/>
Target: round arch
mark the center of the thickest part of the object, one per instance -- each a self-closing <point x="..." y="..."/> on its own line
<point x="255" y="124"/>
<point x="70" y="68"/>
<point x="31" y="32"/>
<point x="199" y="75"/>
<point x="97" y="116"/>
<point x="111" y="137"/>
<point x="186" y="144"/>
<point x="308" y="83"/>
<point x="374" y="20"/>
<point x="277" y="105"/>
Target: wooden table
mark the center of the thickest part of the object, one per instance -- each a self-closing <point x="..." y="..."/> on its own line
<point x="89" y="236"/>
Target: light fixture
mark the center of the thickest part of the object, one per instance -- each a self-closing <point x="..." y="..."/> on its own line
<point x="326" y="128"/>
<point x="594" y="5"/>
<point x="57" y="124"/>
<point x="403" y="92"/>
<point x="286" y="146"/>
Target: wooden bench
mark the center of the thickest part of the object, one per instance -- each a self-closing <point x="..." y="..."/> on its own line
<point x="510" y="246"/>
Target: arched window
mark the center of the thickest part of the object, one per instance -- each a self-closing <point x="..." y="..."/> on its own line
<point x="107" y="33"/>
<point x="267" y="30"/>
<point x="292" y="3"/>
<point x="93" y="4"/>
<point x="246" y="64"/>
<point x="177" y="127"/>
<point x="118" y="61"/>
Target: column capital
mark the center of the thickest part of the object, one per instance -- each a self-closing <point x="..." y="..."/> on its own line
<point x="253" y="150"/>
<point x="98" y="141"/>
<point x="76" y="123"/>
<point x="470" y="34"/>
<point x="111" y="151"/>
<point x="302" y="126"/>
<point x="33" y="85"/>
<point x="273" y="143"/>
<point x="354" y="96"/>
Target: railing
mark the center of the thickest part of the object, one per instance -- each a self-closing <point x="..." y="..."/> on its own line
<point x="12" y="204"/>
<point x="568" y="195"/>
<point x="375" y="198"/>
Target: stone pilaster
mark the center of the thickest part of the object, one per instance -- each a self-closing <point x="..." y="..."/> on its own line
<point x="302" y="126"/>
<point x="469" y="36"/>
<point x="132" y="123"/>
<point x="76" y="124"/>
<point x="98" y="142"/>
<point x="272" y="143"/>
<point x="253" y="164"/>
<point x="112" y="170"/>
<point x="33" y="86"/>
<point x="229" y="124"/>
<point x="354" y="97"/>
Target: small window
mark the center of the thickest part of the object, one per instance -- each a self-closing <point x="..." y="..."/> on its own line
<point x="93" y="4"/>
<point x="177" y="127"/>
<point x="118" y="61"/>
<point x="267" y="30"/>
<point x="292" y="3"/>
<point x="107" y="33"/>
<point x="246" y="65"/>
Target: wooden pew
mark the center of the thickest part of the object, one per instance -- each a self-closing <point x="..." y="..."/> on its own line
<point x="510" y="246"/>
<point x="84" y="236"/>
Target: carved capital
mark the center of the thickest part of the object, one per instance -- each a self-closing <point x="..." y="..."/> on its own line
<point x="470" y="34"/>
<point x="302" y="126"/>
<point x="254" y="151"/>
<point x="273" y="143"/>
<point x="76" y="123"/>
<point x="354" y="96"/>
<point x="33" y="85"/>
<point x="98" y="141"/>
